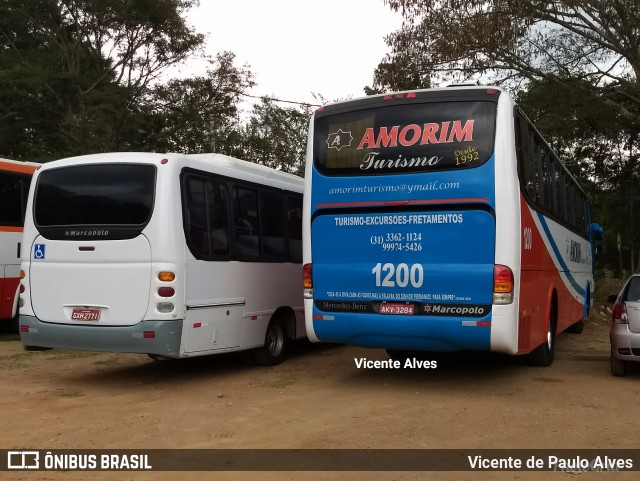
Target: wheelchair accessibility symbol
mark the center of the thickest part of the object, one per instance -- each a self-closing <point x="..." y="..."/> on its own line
<point x="38" y="251"/>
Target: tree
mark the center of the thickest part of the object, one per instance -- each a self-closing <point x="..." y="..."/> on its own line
<point x="197" y="114"/>
<point x="574" y="63"/>
<point x="71" y="70"/>
<point x="595" y="42"/>
<point x="277" y="136"/>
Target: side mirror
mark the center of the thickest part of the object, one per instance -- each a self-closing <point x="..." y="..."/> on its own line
<point x="597" y="238"/>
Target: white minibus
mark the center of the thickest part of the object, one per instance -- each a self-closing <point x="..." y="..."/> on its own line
<point x="163" y="254"/>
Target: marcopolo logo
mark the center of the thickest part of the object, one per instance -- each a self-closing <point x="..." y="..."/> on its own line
<point x="462" y="310"/>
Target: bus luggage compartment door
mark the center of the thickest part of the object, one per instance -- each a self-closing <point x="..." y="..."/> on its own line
<point x="209" y="328"/>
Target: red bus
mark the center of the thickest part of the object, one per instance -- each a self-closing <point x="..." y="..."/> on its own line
<point x="15" y="178"/>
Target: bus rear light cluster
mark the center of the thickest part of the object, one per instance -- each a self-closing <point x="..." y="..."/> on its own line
<point x="307" y="281"/>
<point x="166" y="292"/>
<point x="22" y="288"/>
<point x="502" y="284"/>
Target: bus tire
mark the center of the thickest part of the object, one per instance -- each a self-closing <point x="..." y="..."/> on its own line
<point x="543" y="354"/>
<point x="618" y="366"/>
<point x="276" y="343"/>
<point x="36" y="348"/>
<point x="577" y="327"/>
<point x="160" y="357"/>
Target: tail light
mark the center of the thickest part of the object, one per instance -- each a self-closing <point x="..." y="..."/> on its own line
<point x="502" y="284"/>
<point x="166" y="291"/>
<point x="619" y="313"/>
<point x="307" y="281"/>
<point x="166" y="276"/>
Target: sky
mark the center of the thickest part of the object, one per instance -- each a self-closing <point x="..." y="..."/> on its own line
<point x="296" y="48"/>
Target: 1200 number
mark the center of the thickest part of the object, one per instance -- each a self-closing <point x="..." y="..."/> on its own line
<point x="401" y="275"/>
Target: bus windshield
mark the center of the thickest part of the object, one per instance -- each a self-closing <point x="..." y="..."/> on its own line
<point x="94" y="195"/>
<point x="422" y="137"/>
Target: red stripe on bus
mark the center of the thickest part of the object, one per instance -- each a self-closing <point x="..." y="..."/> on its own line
<point x="410" y="202"/>
<point x="20" y="168"/>
<point x="6" y="228"/>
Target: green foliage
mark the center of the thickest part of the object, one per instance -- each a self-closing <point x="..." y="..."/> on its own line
<point x="197" y="114"/>
<point x="575" y="66"/>
<point x="82" y="76"/>
<point x="72" y="71"/>
<point x="276" y="136"/>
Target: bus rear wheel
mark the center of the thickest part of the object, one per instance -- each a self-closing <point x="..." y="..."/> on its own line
<point x="543" y="355"/>
<point x="275" y="347"/>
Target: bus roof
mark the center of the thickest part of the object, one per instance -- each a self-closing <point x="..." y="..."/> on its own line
<point x="453" y="93"/>
<point x="211" y="162"/>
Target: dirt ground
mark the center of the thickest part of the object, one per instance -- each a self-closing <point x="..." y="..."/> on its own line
<point x="318" y="398"/>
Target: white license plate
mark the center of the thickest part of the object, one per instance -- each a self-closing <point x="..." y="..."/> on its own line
<point x="396" y="308"/>
<point x="85" y="314"/>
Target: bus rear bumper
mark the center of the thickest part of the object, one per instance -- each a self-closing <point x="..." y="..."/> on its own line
<point x="160" y="338"/>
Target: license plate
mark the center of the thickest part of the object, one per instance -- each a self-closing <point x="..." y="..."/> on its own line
<point x="85" y="314"/>
<point x="396" y="308"/>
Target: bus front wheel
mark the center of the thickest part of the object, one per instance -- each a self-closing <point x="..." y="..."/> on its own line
<point x="275" y="347"/>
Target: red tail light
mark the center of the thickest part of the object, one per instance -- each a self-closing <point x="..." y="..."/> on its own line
<point x="502" y="285"/>
<point x="166" y="291"/>
<point x="307" y="282"/>
<point x="502" y="279"/>
<point x="619" y="313"/>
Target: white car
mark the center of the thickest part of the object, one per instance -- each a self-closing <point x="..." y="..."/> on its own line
<point x="625" y="326"/>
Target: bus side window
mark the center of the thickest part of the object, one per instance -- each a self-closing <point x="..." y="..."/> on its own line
<point x="218" y="203"/>
<point x="272" y="226"/>
<point x="197" y="217"/>
<point x="245" y="214"/>
<point x="11" y="211"/>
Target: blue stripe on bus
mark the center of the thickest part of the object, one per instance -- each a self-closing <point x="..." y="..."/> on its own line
<point x="556" y="251"/>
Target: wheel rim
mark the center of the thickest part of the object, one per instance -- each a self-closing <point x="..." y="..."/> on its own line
<point x="549" y="336"/>
<point x="275" y="340"/>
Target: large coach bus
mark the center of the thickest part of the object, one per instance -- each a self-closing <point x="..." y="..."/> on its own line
<point x="15" y="178"/>
<point x="164" y="254"/>
<point x="441" y="220"/>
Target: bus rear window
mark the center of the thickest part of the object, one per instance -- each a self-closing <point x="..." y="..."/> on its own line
<point x="116" y="197"/>
<point x="418" y="137"/>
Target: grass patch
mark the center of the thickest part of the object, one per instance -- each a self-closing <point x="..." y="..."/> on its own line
<point x="66" y="393"/>
<point x="12" y="361"/>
